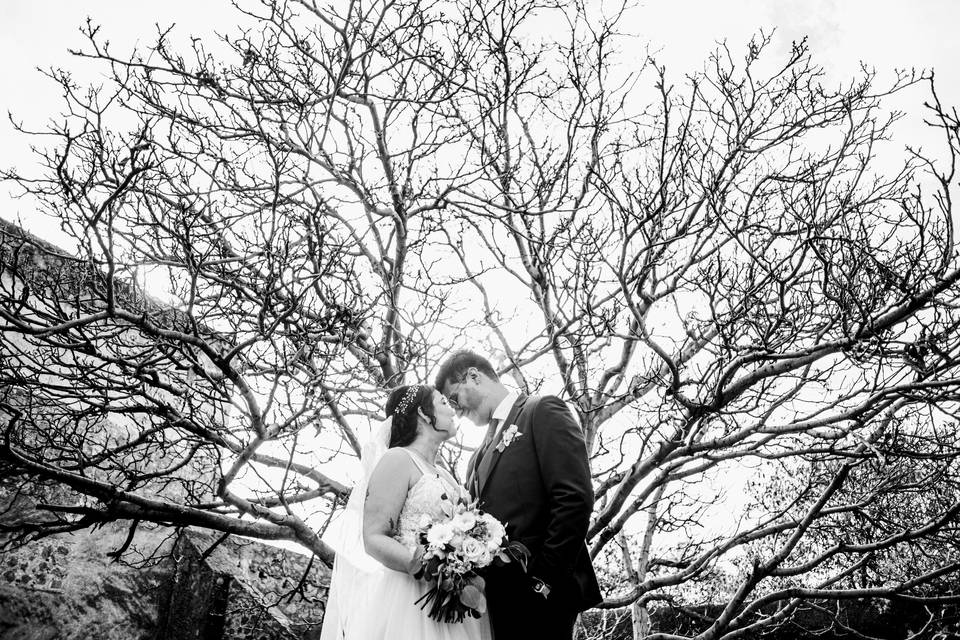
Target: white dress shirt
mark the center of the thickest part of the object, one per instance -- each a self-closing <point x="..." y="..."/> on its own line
<point x="502" y="412"/>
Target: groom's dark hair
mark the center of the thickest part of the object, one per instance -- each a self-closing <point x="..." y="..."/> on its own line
<point x="455" y="367"/>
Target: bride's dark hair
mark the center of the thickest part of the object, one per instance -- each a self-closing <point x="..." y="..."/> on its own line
<point x="402" y="405"/>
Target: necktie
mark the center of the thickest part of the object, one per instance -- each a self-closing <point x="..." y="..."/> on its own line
<point x="491" y="431"/>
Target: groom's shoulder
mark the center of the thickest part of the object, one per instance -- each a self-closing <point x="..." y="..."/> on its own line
<point x="546" y="398"/>
<point x="538" y="405"/>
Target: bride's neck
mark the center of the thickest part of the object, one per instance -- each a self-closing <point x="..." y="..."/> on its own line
<point x="426" y="449"/>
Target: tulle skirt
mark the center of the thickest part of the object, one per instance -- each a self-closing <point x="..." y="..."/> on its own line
<point x="384" y="608"/>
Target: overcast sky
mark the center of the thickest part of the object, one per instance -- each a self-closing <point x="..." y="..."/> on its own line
<point x="882" y="33"/>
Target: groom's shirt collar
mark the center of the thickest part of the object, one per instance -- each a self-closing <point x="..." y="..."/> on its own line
<point x="502" y="412"/>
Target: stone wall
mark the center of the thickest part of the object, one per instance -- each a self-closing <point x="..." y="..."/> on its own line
<point x="66" y="587"/>
<point x="252" y="590"/>
<point x="165" y="585"/>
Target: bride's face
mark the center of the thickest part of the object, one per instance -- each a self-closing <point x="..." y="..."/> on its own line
<point x="445" y="415"/>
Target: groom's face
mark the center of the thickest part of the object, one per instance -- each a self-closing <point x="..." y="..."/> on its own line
<point x="466" y="397"/>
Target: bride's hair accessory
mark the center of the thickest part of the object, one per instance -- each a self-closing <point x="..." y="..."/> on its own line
<point x="404" y="405"/>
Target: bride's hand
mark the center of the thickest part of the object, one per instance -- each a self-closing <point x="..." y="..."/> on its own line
<point x="415" y="568"/>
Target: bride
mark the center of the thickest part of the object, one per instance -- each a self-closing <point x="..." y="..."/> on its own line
<point x="372" y="589"/>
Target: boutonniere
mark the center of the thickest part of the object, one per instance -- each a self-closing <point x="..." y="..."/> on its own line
<point x="509" y="435"/>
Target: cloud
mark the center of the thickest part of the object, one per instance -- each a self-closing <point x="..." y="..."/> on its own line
<point x="817" y="20"/>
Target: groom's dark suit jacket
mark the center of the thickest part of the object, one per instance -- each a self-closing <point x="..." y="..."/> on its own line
<point x="539" y="486"/>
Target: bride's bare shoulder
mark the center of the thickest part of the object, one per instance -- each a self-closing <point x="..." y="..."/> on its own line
<point x="395" y="465"/>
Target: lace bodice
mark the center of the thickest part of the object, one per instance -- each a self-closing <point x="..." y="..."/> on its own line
<point x="424" y="498"/>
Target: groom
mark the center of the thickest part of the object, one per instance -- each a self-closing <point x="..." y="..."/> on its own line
<point x="532" y="474"/>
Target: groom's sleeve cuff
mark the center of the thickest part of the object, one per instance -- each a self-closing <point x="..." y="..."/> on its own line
<point x="541" y="587"/>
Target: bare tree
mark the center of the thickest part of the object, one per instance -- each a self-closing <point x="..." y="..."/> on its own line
<point x="723" y="280"/>
<point x="728" y="279"/>
<point x="286" y="189"/>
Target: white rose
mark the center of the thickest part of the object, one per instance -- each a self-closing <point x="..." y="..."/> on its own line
<point x="440" y="534"/>
<point x="485" y="558"/>
<point x="473" y="551"/>
<point x="464" y="521"/>
<point x="493" y="525"/>
<point x="425" y="521"/>
<point x="495" y="531"/>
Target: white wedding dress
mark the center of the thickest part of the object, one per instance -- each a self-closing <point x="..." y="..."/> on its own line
<point x="381" y="604"/>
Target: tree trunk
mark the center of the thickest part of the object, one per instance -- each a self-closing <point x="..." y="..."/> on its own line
<point x="636" y="573"/>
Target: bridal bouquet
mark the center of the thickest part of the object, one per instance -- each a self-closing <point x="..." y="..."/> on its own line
<point x="454" y="548"/>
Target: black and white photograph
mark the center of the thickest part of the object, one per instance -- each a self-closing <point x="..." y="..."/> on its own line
<point x="479" y="320"/>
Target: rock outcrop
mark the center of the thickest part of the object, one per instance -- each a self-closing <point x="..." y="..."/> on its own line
<point x="66" y="587"/>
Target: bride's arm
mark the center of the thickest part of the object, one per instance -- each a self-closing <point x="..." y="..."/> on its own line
<point x="386" y="493"/>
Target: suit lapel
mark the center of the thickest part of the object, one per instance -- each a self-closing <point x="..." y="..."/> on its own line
<point x="489" y="461"/>
<point x="472" y="473"/>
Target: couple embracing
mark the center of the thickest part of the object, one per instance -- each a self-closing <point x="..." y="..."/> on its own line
<point x="531" y="474"/>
